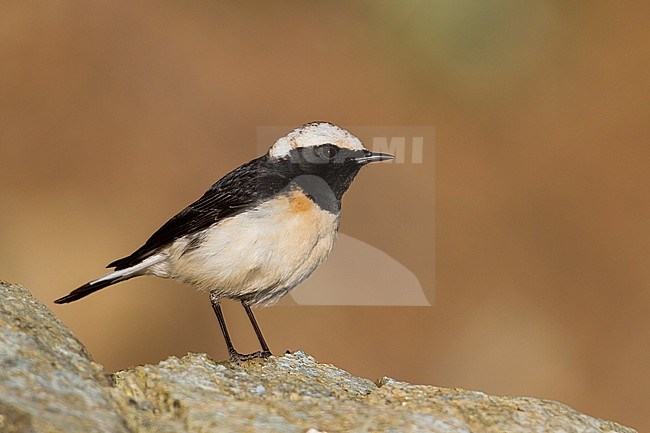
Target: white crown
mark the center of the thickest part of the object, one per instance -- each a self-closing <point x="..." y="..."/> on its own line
<point x="314" y="134"/>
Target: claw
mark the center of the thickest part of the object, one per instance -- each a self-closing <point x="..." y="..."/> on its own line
<point x="238" y="357"/>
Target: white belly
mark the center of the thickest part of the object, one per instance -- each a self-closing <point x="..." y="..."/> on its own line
<point x="258" y="255"/>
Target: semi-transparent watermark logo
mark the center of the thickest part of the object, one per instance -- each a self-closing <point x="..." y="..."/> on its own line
<point x="358" y="273"/>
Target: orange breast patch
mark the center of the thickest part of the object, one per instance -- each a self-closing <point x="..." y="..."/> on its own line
<point x="300" y="202"/>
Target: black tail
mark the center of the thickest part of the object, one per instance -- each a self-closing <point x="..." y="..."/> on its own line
<point x="89" y="288"/>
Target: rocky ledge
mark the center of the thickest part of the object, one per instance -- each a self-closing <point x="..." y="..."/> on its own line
<point x="49" y="383"/>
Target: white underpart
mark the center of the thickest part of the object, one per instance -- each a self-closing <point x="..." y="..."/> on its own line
<point x="315" y="134"/>
<point x="262" y="253"/>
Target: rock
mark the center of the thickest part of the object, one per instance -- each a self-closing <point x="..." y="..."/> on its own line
<point x="48" y="383"/>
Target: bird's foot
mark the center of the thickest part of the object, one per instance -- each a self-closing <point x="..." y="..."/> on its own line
<point x="238" y="357"/>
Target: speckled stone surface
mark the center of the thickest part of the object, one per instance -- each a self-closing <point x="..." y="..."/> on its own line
<point x="49" y="384"/>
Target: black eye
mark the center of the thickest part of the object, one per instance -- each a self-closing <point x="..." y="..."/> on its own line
<point x="328" y="151"/>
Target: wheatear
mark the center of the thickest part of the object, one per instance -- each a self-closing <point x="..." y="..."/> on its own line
<point x="259" y="231"/>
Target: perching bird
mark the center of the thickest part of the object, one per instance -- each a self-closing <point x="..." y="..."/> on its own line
<point x="259" y="231"/>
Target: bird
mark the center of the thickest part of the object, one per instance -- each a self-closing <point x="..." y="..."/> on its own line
<point x="257" y="232"/>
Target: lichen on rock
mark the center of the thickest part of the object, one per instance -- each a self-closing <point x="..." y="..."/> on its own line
<point x="48" y="383"/>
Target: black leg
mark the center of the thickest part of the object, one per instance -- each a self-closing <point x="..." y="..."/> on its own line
<point x="265" y="348"/>
<point x="222" y="324"/>
<point x="232" y="353"/>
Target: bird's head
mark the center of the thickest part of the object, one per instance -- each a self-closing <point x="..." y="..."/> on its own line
<point x="323" y="143"/>
<point x="320" y="153"/>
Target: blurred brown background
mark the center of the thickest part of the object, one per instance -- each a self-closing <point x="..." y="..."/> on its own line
<point x="115" y="115"/>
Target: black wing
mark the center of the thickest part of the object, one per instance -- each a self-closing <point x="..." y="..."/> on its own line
<point x="241" y="189"/>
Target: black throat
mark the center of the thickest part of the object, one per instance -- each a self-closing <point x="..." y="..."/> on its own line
<point x="323" y="180"/>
